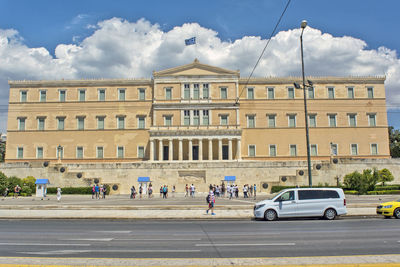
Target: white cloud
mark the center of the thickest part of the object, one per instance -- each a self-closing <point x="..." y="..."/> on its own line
<point x="122" y="49"/>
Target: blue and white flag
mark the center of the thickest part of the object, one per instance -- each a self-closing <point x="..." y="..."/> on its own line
<point x="190" y="41"/>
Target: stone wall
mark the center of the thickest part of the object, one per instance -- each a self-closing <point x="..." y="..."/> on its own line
<point x="201" y="174"/>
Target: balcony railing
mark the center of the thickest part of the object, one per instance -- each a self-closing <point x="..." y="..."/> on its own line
<point x="194" y="127"/>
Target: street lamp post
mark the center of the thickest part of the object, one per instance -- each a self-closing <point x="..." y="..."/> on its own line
<point x="303" y="26"/>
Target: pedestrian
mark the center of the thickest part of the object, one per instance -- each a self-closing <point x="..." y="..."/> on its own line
<point x="17" y="190"/>
<point x="230" y="191"/>
<point x="5" y="193"/>
<point x="173" y="191"/>
<point x="101" y="191"/>
<point x="140" y="191"/>
<point x="217" y="189"/>
<point x="161" y="191"/>
<point x="104" y="191"/>
<point x="186" y="190"/>
<point x="211" y="201"/>
<point x="97" y="190"/>
<point x="150" y="191"/>
<point x="245" y="191"/>
<point x="255" y="191"/>
<point x="93" y="191"/>
<point x="58" y="194"/>
<point x="251" y="190"/>
<point x="133" y="192"/>
<point x="192" y="190"/>
<point x="164" y="191"/>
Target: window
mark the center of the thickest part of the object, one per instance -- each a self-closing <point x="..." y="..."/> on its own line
<point x="251" y="123"/>
<point x="206" y="118"/>
<point x="82" y="95"/>
<point x="354" y="149"/>
<point x="100" y="123"/>
<point x="142" y="94"/>
<point x="271" y="94"/>
<point x="196" y="91"/>
<point x="287" y="196"/>
<point x="62" y="95"/>
<point x="186" y="117"/>
<point x="168" y="120"/>
<point x="332" y="120"/>
<point x="331" y="92"/>
<point x="39" y="152"/>
<point x="20" y="152"/>
<point x="120" y="152"/>
<point x="102" y="94"/>
<point x="370" y="92"/>
<point x="206" y="93"/>
<point x="350" y="92"/>
<point x="250" y="93"/>
<point x="311" y="92"/>
<point x="224" y="119"/>
<point x="99" y="152"/>
<point x="79" y="152"/>
<point x="141" y="152"/>
<point x="252" y="150"/>
<point x="292" y="121"/>
<point x="121" y="94"/>
<point x="293" y="150"/>
<point x="121" y="122"/>
<point x="352" y="120"/>
<point x="186" y="91"/>
<point x="317" y="194"/>
<point x="271" y="121"/>
<point x="224" y="92"/>
<point x="290" y="92"/>
<point x="196" y="117"/>
<point x="60" y="123"/>
<point x="141" y="122"/>
<point x="81" y="123"/>
<point x="21" y="124"/>
<point x="168" y="93"/>
<point x="41" y="123"/>
<point x="312" y="120"/>
<point x="313" y="149"/>
<point x="42" y="95"/>
<point x="372" y="120"/>
<point x="272" y="150"/>
<point x="60" y="152"/>
<point x="334" y="149"/>
<point x="374" y="149"/>
<point x="23" y="96"/>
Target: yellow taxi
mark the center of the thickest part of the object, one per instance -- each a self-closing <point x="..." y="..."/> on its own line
<point x="389" y="209"/>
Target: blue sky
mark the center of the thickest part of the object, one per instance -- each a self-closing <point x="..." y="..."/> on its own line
<point x="46" y="25"/>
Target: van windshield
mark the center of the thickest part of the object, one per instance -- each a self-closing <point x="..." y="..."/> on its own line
<point x="272" y="196"/>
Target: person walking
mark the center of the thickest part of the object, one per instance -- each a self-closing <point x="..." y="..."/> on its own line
<point x="17" y="191"/>
<point x="133" y="192"/>
<point x="104" y="191"/>
<point x="173" y="191"/>
<point x="255" y="191"/>
<point x="93" y="191"/>
<point x="58" y="194"/>
<point x="245" y="191"/>
<point x="140" y="191"/>
<point x="211" y="201"/>
<point x="150" y="191"/>
<point x="186" y="190"/>
<point x="5" y="193"/>
<point x="97" y="190"/>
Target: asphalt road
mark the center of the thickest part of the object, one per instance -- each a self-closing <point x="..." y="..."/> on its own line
<point x="197" y="239"/>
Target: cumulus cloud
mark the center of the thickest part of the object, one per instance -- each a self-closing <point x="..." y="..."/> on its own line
<point x="122" y="49"/>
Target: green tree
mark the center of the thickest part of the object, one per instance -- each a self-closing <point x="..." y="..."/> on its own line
<point x="353" y="180"/>
<point x="2" y="151"/>
<point x="13" y="181"/>
<point x="3" y="182"/>
<point x="394" y="142"/>
<point x="362" y="182"/>
<point x="30" y="182"/>
<point x="385" y="176"/>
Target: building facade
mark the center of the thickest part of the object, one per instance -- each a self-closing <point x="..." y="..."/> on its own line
<point x="195" y="112"/>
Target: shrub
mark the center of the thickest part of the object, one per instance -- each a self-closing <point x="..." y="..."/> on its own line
<point x="385" y="176"/>
<point x="387" y="187"/>
<point x="30" y="181"/>
<point x="351" y="192"/>
<point x="384" y="192"/>
<point x="3" y="182"/>
<point x="362" y="182"/>
<point x="12" y="182"/>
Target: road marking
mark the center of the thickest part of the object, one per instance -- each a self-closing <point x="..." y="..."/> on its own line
<point x="88" y="239"/>
<point x="41" y="244"/>
<point x="233" y="245"/>
<point x="61" y="252"/>
<point x="114" y="232"/>
<point x="57" y="252"/>
<point x="159" y="239"/>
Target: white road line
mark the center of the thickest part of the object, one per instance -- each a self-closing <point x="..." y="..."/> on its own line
<point x="114" y="232"/>
<point x="159" y="239"/>
<point x="88" y="239"/>
<point x="60" y="252"/>
<point x="234" y="245"/>
<point x="57" y="252"/>
<point x="41" y="244"/>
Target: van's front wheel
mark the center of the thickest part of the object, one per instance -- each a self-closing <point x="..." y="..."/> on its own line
<point x="270" y="215"/>
<point x="330" y="214"/>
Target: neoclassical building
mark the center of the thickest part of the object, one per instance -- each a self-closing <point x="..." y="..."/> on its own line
<point x="193" y="113"/>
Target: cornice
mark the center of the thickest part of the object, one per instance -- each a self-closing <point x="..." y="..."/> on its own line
<point x="315" y="80"/>
<point x="79" y="83"/>
<point x="159" y="106"/>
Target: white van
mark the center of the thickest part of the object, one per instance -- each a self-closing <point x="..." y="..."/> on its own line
<point x="303" y="202"/>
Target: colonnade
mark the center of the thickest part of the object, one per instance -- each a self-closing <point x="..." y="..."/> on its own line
<point x="188" y="145"/>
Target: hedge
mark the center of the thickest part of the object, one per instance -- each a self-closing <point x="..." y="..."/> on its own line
<point x="387" y="187"/>
<point x="71" y="190"/>
<point x="384" y="192"/>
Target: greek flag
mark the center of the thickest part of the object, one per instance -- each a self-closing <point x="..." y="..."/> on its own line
<point x="190" y="41"/>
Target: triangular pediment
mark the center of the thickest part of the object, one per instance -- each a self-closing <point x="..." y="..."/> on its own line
<point x="195" y="69"/>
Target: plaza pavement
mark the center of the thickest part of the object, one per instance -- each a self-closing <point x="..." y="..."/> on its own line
<point x="174" y="207"/>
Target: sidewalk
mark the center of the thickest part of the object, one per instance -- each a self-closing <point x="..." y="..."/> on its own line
<point x="175" y="207"/>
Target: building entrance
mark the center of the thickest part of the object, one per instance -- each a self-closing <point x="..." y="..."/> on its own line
<point x="166" y="153"/>
<point x="195" y="153"/>
<point x="225" y="152"/>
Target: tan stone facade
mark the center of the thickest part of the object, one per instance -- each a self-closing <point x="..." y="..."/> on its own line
<point x="195" y="112"/>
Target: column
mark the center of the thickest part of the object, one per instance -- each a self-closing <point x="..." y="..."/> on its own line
<point x="170" y="150"/>
<point x="210" y="152"/>
<point x="200" y="149"/>
<point x="160" y="150"/>
<point x="180" y="152"/>
<point x="219" y="149"/>
<point x="152" y="150"/>
<point x="239" y="150"/>
<point x="230" y="149"/>
<point x="190" y="149"/>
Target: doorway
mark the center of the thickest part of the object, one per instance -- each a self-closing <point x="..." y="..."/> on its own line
<point x="166" y="153"/>
<point x="195" y="153"/>
<point x="225" y="152"/>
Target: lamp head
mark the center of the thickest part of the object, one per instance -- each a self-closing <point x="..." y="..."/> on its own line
<point x="296" y="85"/>
<point x="303" y="24"/>
<point x="310" y="83"/>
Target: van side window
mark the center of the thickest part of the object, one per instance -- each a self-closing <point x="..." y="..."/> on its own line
<point x="331" y="194"/>
<point x="317" y="194"/>
<point x="286" y="196"/>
